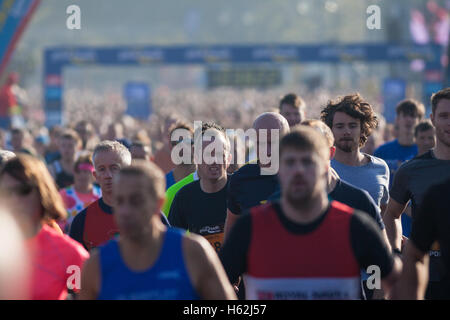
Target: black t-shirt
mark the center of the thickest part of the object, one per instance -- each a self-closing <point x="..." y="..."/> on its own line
<point x="200" y="212"/>
<point x="63" y="179"/>
<point x="368" y="245"/>
<point x="358" y="199"/>
<point x="248" y="188"/>
<point x="352" y="196"/>
<point x="432" y="224"/>
<point x="411" y="181"/>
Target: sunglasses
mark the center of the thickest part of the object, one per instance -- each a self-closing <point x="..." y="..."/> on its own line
<point x="20" y="190"/>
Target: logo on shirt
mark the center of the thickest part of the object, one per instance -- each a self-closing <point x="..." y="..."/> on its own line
<point x="171" y="274"/>
<point x="210" y="230"/>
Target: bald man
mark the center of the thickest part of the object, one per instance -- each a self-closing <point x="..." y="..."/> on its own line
<point x="252" y="184"/>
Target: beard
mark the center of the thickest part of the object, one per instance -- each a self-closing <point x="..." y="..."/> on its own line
<point x="346" y="145"/>
<point x="299" y="199"/>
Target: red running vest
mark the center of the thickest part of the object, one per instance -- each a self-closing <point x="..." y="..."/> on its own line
<point x="317" y="265"/>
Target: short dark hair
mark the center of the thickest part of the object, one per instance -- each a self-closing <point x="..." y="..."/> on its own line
<point x="211" y="125"/>
<point x="71" y="134"/>
<point x="151" y="172"/>
<point x="293" y="100"/>
<point x="180" y="124"/>
<point x="356" y="107"/>
<point x="306" y="138"/>
<point x="443" y="94"/>
<point x="423" y="126"/>
<point x="410" y="107"/>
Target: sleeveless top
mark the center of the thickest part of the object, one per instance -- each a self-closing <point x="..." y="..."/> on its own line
<point x="166" y="279"/>
<point x="317" y="265"/>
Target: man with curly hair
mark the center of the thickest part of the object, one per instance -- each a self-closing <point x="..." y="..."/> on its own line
<point x="352" y="120"/>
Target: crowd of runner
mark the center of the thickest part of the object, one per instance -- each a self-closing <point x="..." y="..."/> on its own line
<point x="338" y="207"/>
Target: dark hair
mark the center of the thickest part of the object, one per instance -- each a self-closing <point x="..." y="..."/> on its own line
<point x="355" y="107"/>
<point x="71" y="134"/>
<point x="211" y="125"/>
<point x="140" y="144"/>
<point x="151" y="172"/>
<point x="306" y="138"/>
<point x="443" y="94"/>
<point x="411" y="107"/>
<point x="293" y="100"/>
<point x="18" y="131"/>
<point x="423" y="126"/>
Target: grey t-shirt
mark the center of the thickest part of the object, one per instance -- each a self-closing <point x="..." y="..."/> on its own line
<point x="414" y="177"/>
<point x="372" y="177"/>
<point x="411" y="182"/>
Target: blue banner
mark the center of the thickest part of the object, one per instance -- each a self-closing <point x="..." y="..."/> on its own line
<point x="137" y="95"/>
<point x="56" y="59"/>
<point x="14" y="14"/>
<point x="394" y="91"/>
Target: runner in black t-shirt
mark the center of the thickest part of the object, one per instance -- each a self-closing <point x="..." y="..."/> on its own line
<point x="432" y="223"/>
<point x="201" y="206"/>
<point x="414" y="178"/>
<point x="250" y="185"/>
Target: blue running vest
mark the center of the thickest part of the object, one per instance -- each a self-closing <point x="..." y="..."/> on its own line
<point x="167" y="279"/>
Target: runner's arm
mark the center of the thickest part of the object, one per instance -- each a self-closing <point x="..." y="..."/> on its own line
<point x="206" y="271"/>
<point x="414" y="279"/>
<point x="229" y="222"/>
<point x="393" y="223"/>
<point x="90" y="278"/>
<point x="233" y="253"/>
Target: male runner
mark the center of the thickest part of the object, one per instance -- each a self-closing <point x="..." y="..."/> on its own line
<point x="248" y="186"/>
<point x="292" y="107"/>
<point x="181" y="170"/>
<point x="413" y="179"/>
<point x="95" y="224"/>
<point x="432" y="224"/>
<point x="425" y="137"/>
<point x="201" y="206"/>
<point x="345" y="193"/>
<point x="409" y="113"/>
<point x="352" y="120"/>
<point x="149" y="261"/>
<point x="305" y="247"/>
<point x="62" y="169"/>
